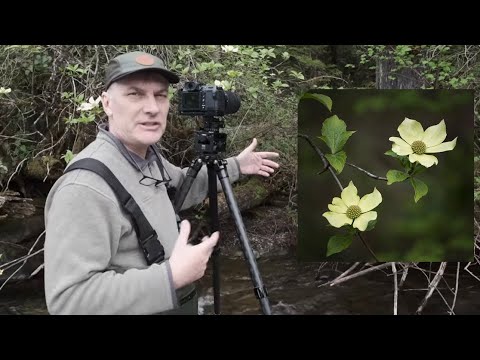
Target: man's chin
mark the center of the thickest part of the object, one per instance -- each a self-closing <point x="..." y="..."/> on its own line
<point x="150" y="138"/>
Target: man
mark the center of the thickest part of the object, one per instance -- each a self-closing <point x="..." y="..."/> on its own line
<point x="93" y="261"/>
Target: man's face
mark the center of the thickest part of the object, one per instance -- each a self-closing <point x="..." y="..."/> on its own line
<point x="137" y="108"/>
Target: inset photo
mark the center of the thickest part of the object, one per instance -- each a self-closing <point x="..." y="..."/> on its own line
<point x="385" y="175"/>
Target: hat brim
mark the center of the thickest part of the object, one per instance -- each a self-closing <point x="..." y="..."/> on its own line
<point x="170" y="76"/>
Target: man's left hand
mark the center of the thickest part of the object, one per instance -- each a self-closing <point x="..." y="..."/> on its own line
<point x="257" y="163"/>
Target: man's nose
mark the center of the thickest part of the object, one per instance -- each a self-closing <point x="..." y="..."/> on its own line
<point x="151" y="105"/>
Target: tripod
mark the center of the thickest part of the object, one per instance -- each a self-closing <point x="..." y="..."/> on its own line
<point x="208" y="144"/>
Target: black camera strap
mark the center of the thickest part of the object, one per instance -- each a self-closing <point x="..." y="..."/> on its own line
<point x="147" y="237"/>
<point x="171" y="190"/>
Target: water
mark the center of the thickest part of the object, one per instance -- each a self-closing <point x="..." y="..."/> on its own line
<point x="293" y="290"/>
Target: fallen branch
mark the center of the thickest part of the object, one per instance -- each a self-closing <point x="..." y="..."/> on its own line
<point x="432" y="287"/>
<point x="395" y="292"/>
<point x="24" y="258"/>
<point x="353" y="276"/>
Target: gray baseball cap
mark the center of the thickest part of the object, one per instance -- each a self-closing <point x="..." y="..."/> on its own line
<point x="131" y="62"/>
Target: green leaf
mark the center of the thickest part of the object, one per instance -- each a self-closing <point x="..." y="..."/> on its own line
<point x="371" y="225"/>
<point x="337" y="160"/>
<point x="323" y="99"/>
<point x="418" y="169"/>
<point x="394" y="176"/>
<point x="392" y="154"/>
<point x="421" y="189"/>
<point x="68" y="156"/>
<point x="403" y="159"/>
<point x="338" y="243"/>
<point x="334" y="133"/>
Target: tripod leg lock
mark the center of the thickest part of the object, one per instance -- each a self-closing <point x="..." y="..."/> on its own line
<point x="259" y="293"/>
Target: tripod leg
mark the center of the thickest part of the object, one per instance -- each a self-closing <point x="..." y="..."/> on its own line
<point x="213" y="210"/>
<point x="259" y="288"/>
<point x="187" y="184"/>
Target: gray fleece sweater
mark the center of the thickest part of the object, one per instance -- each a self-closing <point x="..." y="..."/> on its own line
<point x="93" y="263"/>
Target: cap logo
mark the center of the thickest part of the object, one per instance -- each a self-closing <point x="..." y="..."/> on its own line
<point x="145" y="59"/>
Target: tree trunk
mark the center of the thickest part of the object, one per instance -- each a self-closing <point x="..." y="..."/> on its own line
<point x="403" y="78"/>
<point x="248" y="195"/>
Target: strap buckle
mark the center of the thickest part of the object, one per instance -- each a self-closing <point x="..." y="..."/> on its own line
<point x="152" y="248"/>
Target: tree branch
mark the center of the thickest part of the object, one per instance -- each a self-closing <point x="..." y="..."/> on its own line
<point x="368" y="173"/>
<point x="432" y="287"/>
<point x="324" y="159"/>
<point x="367" y="246"/>
<point x="327" y="166"/>
<point x="395" y="291"/>
<point x="317" y="150"/>
<point x="357" y="274"/>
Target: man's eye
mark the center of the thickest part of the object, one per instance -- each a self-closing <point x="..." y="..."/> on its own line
<point x="133" y="93"/>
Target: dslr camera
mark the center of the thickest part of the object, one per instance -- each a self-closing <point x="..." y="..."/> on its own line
<point x="197" y="99"/>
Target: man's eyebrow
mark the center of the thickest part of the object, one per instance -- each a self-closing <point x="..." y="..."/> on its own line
<point x="140" y="90"/>
<point x="133" y="87"/>
<point x="163" y="89"/>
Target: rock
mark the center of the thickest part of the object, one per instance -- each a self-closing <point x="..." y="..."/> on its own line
<point x="20" y="226"/>
<point x="14" y="206"/>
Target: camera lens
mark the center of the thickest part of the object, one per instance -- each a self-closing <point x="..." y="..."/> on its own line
<point x="190" y="85"/>
<point x="232" y="102"/>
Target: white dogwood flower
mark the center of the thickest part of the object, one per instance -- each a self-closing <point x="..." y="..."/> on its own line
<point x="417" y="143"/>
<point x="5" y="90"/>
<point x="351" y="210"/>
<point x="229" y="48"/>
<point x="92" y="103"/>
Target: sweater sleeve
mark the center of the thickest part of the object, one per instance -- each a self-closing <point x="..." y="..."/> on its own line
<point x="199" y="190"/>
<point x="82" y="235"/>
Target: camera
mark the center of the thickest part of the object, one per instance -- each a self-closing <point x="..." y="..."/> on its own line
<point x="197" y="99"/>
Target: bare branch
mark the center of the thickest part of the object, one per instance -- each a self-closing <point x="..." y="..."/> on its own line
<point x="395" y="292"/>
<point x="367" y="246"/>
<point x="432" y="287"/>
<point x="366" y="172"/>
<point x="357" y="274"/>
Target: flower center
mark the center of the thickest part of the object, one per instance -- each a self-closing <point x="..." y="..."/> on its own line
<point x="353" y="212"/>
<point x="419" y="147"/>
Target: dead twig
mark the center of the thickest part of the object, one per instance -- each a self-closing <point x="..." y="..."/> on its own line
<point x="357" y="274"/>
<point x="395" y="292"/>
<point x="366" y="172"/>
<point x="23" y="258"/>
<point x="432" y="287"/>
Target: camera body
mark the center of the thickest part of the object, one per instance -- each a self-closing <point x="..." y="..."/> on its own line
<point x="197" y="99"/>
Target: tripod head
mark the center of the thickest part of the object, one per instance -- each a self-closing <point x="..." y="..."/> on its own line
<point x="209" y="142"/>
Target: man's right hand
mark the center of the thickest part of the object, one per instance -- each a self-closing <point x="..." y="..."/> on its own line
<point x="189" y="262"/>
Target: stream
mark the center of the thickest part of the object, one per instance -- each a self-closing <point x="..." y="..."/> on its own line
<point x="293" y="290"/>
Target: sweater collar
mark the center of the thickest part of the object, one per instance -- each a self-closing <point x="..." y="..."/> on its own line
<point x="132" y="158"/>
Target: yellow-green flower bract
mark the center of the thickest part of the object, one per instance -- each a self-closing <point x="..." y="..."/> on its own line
<point x="349" y="209"/>
<point x="417" y="143"/>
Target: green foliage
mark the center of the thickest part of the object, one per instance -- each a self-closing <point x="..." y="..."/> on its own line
<point x="440" y="66"/>
<point x="420" y="188"/>
<point x="338" y="243"/>
<point x="371" y="225"/>
<point x="410" y="172"/>
<point x="337" y="160"/>
<point x="396" y="176"/>
<point x="335" y="134"/>
<point x="322" y="99"/>
<point x="68" y="156"/>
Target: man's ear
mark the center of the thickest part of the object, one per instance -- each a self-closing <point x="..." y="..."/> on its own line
<point x="106" y="103"/>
